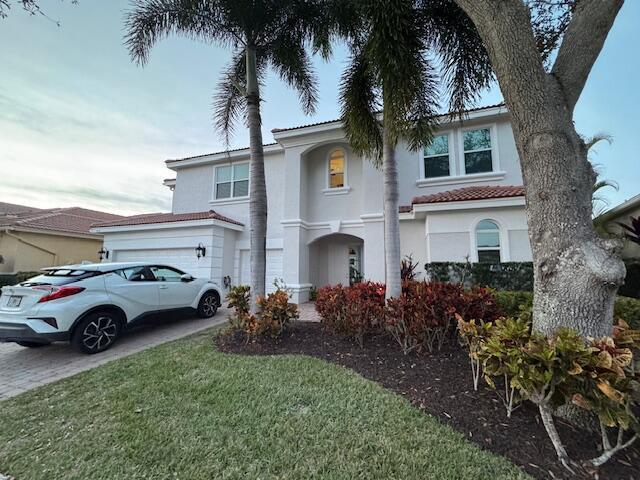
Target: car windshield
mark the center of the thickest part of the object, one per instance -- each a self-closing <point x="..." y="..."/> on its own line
<point x="62" y="276"/>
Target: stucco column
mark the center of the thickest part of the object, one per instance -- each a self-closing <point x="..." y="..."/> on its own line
<point x="373" y="247"/>
<point x="294" y="243"/>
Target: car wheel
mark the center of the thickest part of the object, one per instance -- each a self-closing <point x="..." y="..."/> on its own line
<point x="208" y="305"/>
<point x="96" y="332"/>
<point x="32" y="344"/>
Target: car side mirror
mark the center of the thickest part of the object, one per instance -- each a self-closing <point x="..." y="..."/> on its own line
<point x="186" y="278"/>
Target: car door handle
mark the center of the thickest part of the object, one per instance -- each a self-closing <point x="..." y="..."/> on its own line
<point x="164" y="287"/>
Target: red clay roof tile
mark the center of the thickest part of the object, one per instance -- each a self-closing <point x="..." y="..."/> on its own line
<point x="471" y="193"/>
<point x="167" y="218"/>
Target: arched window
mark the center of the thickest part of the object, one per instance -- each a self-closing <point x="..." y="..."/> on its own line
<point x="337" y="168"/>
<point x="488" y="241"/>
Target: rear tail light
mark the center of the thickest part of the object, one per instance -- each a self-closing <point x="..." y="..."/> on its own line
<point x="58" y="292"/>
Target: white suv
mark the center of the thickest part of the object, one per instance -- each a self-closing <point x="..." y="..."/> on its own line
<point x="91" y="305"/>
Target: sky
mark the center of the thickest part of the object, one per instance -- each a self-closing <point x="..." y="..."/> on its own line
<point x="82" y="125"/>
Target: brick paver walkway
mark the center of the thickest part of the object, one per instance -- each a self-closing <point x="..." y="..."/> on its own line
<point x="22" y="369"/>
<point x="308" y="312"/>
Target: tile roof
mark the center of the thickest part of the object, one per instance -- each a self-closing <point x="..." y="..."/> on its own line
<point x="166" y="218"/>
<point x="172" y="160"/>
<point x="74" y="220"/>
<point x="326" y="122"/>
<point x="12" y="208"/>
<point x="471" y="193"/>
<point x="276" y="130"/>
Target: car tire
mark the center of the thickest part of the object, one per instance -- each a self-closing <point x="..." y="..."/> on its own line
<point x="208" y="305"/>
<point x="32" y="344"/>
<point x="96" y="332"/>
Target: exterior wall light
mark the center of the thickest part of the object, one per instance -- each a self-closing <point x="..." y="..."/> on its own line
<point x="104" y="254"/>
<point x="200" y="251"/>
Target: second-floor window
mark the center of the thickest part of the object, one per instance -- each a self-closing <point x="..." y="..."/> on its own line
<point x="232" y="181"/>
<point x="436" y="157"/>
<point x="477" y="151"/>
<point x="337" y="163"/>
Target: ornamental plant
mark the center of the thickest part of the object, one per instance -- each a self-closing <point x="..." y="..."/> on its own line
<point x="355" y="312"/>
<point x="551" y="371"/>
<point x="276" y="313"/>
<point x="274" y="316"/>
<point x="472" y="335"/>
<point x="423" y="317"/>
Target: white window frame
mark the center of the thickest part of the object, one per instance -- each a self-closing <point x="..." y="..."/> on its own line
<point x="231" y="198"/>
<point x="329" y="190"/>
<point x="503" y="235"/>
<point x="452" y="148"/>
<point x="495" y="159"/>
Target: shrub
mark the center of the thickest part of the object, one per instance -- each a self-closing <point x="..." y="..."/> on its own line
<point x="518" y="304"/>
<point x="274" y="317"/>
<point x="276" y="313"/>
<point x="631" y="287"/>
<point x="408" y="268"/>
<point x="563" y="369"/>
<point x="355" y="312"/>
<point x="422" y="317"/>
<point x="499" y="276"/>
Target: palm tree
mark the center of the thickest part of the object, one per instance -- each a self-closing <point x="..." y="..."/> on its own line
<point x="389" y="70"/>
<point x="261" y="34"/>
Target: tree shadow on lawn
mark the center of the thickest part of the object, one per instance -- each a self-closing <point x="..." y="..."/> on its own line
<point x="440" y="385"/>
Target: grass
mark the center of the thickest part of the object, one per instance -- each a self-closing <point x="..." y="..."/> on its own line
<point x="185" y="411"/>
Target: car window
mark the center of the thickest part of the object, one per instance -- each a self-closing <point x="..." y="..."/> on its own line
<point x="59" y="277"/>
<point x="137" y="274"/>
<point x="167" y="274"/>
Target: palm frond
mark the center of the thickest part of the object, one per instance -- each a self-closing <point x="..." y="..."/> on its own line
<point x="228" y="102"/>
<point x="466" y="67"/>
<point x="360" y="103"/>
<point x="149" y="21"/>
<point x="290" y="60"/>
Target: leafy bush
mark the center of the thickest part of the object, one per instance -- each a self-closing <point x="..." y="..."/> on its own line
<point x="276" y="313"/>
<point x="15" y="278"/>
<point x="516" y="304"/>
<point x="408" y="268"/>
<point x="562" y="369"/>
<point x="274" y="317"/>
<point x="422" y="317"/>
<point x="631" y="287"/>
<point x="355" y="311"/>
<point x="499" y="276"/>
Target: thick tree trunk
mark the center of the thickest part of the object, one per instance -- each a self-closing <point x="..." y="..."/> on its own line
<point x="391" y="219"/>
<point x="576" y="273"/>
<point x="257" y="184"/>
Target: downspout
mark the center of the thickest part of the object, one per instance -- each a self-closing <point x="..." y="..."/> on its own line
<point x="37" y="247"/>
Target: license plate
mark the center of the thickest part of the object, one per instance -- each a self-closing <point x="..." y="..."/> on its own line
<point x="14" y="301"/>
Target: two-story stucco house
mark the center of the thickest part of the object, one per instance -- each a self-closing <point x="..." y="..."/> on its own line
<point x="461" y="197"/>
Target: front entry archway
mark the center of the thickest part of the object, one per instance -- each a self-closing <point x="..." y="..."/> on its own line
<point x="336" y="258"/>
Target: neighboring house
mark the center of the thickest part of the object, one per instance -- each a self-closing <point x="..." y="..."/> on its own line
<point x="462" y="197"/>
<point x="622" y="213"/>
<point x="32" y="238"/>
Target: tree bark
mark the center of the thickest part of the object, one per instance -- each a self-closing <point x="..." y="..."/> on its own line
<point x="576" y="273"/>
<point x="257" y="183"/>
<point x="391" y="218"/>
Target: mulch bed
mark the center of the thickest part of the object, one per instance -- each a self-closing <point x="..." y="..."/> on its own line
<point x="440" y="384"/>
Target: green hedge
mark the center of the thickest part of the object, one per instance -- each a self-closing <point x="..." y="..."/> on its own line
<point x="499" y="276"/>
<point x="631" y="287"/>
<point x="12" y="279"/>
<point x="513" y="303"/>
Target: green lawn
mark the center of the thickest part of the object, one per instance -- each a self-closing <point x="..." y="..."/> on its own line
<point x="185" y="411"/>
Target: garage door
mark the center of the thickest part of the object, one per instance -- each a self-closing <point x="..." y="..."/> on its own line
<point x="274" y="268"/>
<point x="182" y="258"/>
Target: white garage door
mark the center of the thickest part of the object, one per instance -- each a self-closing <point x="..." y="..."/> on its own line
<point x="182" y="258"/>
<point x="274" y="268"/>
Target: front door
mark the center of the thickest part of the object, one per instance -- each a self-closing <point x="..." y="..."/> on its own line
<point x="355" y="264"/>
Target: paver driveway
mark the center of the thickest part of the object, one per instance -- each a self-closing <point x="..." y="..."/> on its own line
<point x="22" y="369"/>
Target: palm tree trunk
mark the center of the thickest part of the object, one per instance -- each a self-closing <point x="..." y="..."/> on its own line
<point x="391" y="218"/>
<point x="257" y="184"/>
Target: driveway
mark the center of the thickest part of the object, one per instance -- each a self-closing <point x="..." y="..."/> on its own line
<point x="22" y="369"/>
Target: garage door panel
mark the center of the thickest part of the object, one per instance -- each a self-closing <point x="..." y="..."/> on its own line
<point x="182" y="258"/>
